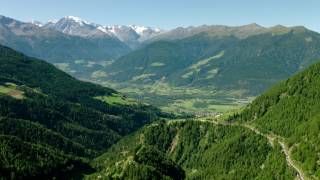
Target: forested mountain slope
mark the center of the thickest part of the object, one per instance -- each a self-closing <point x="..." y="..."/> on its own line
<point x="251" y="64"/>
<point x="291" y="110"/>
<point x="52" y="124"/>
<point x="193" y="150"/>
<point x="279" y="129"/>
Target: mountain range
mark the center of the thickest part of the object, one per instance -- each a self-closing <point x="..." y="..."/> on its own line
<point x="55" y="46"/>
<point x="53" y="126"/>
<point x="131" y="35"/>
<point x="248" y="58"/>
<point x="186" y="57"/>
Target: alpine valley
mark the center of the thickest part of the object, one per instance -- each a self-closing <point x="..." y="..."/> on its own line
<point x="80" y="100"/>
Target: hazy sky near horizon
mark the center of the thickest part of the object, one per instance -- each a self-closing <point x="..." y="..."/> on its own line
<point x="169" y="14"/>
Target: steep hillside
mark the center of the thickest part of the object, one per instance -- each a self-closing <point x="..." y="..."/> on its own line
<point x="291" y="110"/>
<point x="165" y="60"/>
<point x="196" y="150"/>
<point x="251" y="64"/>
<point x="52" y="124"/>
<point x="279" y="129"/>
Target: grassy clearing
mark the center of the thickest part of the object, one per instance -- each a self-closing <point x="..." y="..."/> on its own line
<point x="116" y="99"/>
<point x="142" y="77"/>
<point x="187" y="75"/>
<point x="99" y="74"/>
<point x="10" y="89"/>
<point x="157" y="64"/>
<point x="195" y="68"/>
<point x="206" y="61"/>
<point x="212" y="73"/>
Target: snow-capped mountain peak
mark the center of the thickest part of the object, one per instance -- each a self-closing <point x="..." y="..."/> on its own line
<point x="141" y="30"/>
<point x="131" y="35"/>
<point x="74" y="26"/>
<point x="77" y="20"/>
<point x="102" y="29"/>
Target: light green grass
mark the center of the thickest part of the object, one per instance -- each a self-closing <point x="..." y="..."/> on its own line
<point x="206" y="61"/>
<point x="202" y="106"/>
<point x="80" y="61"/>
<point x="180" y="100"/>
<point x="142" y="77"/>
<point x="116" y="99"/>
<point x="187" y="75"/>
<point x="157" y="64"/>
<point x="10" y="89"/>
<point x="99" y="74"/>
<point x="195" y="68"/>
<point x="212" y="73"/>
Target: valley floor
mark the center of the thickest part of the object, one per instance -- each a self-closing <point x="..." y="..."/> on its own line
<point x="185" y="100"/>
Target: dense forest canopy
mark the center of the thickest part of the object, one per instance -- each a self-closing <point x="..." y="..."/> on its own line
<point x="52" y="124"/>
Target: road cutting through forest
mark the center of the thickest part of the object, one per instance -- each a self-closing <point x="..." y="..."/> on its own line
<point x="271" y="138"/>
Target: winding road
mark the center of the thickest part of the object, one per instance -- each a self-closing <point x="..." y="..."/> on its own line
<point x="271" y="138"/>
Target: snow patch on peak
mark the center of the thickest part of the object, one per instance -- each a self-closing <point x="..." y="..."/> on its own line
<point x="36" y="23"/>
<point x="77" y="20"/>
<point x="102" y="29"/>
<point x="142" y="30"/>
<point x="139" y="29"/>
<point x="158" y="30"/>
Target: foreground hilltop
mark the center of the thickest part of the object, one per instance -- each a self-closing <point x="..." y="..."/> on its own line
<point x="52" y="124"/>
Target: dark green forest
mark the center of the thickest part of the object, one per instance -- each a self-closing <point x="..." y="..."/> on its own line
<point x="200" y="150"/>
<point x="291" y="110"/>
<point x="51" y="124"/>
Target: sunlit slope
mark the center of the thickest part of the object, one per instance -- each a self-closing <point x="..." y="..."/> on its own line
<point x="225" y="62"/>
<point x="201" y="150"/>
<point x="52" y="124"/>
<point x="291" y="110"/>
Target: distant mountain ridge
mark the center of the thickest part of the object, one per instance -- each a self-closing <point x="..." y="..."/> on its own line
<point x="131" y="35"/>
<point x="193" y="56"/>
<point x="226" y="58"/>
<point x="71" y="38"/>
<point x="55" y="46"/>
<point x="238" y="31"/>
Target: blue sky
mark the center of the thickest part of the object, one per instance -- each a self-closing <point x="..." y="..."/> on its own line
<point x="168" y="14"/>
